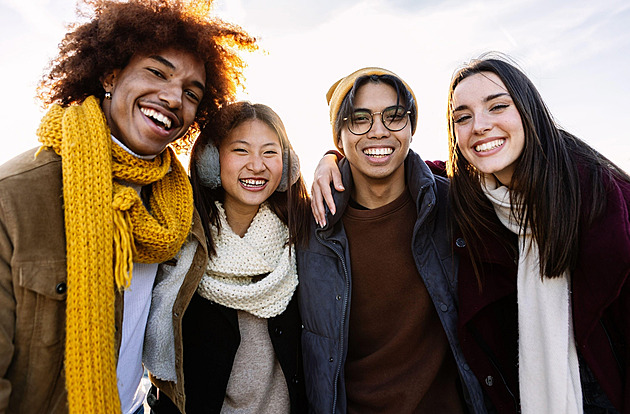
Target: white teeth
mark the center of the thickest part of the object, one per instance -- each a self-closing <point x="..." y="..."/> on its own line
<point x="489" y="145"/>
<point x="376" y="152"/>
<point x="152" y="113"/>
<point x="253" y="183"/>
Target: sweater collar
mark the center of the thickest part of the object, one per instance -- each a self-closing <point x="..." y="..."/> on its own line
<point x="419" y="177"/>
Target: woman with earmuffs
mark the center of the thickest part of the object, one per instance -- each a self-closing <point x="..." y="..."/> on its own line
<point x="241" y="330"/>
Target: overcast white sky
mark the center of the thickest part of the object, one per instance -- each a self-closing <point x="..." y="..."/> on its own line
<point x="576" y="52"/>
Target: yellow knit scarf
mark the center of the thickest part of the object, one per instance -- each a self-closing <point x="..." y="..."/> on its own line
<point x="107" y="229"/>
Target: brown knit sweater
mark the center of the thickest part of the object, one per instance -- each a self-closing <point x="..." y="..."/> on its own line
<point x="399" y="359"/>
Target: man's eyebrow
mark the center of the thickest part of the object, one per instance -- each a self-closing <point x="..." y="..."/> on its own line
<point x="169" y="65"/>
<point x="486" y="99"/>
<point x="199" y="85"/>
<point x="163" y="61"/>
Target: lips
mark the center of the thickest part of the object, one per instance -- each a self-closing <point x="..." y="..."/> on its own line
<point x="158" y="118"/>
<point x="378" y="152"/>
<point x="487" y="146"/>
<point x="253" y="182"/>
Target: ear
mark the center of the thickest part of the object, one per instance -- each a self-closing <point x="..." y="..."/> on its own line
<point x="108" y="80"/>
<point x="340" y="145"/>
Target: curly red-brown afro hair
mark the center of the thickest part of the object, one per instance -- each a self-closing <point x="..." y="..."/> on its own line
<point x="118" y="30"/>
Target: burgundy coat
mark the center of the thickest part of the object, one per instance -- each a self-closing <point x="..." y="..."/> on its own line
<point x="600" y="299"/>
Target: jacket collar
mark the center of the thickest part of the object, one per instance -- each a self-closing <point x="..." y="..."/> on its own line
<point x="420" y="180"/>
<point x="419" y="176"/>
<point x="422" y="186"/>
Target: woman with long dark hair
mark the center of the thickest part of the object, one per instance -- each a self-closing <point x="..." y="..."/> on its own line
<point x="241" y="331"/>
<point x="545" y="248"/>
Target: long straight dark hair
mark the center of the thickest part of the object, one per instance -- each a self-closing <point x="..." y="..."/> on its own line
<point x="545" y="182"/>
<point x="291" y="206"/>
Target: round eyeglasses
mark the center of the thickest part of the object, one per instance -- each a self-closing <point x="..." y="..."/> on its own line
<point x="394" y="118"/>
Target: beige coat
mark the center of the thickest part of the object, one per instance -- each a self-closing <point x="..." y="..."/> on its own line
<point x="33" y="288"/>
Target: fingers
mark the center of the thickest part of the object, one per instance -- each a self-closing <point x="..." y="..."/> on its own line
<point x="336" y="178"/>
<point x="326" y="173"/>
<point x="328" y="197"/>
<point x="317" y="205"/>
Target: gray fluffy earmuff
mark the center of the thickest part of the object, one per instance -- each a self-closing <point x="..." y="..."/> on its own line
<point x="293" y="173"/>
<point x="208" y="168"/>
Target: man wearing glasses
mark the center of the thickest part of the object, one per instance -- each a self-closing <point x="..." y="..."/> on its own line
<point x="377" y="281"/>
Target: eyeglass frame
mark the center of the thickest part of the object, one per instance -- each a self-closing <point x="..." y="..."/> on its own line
<point x="407" y="113"/>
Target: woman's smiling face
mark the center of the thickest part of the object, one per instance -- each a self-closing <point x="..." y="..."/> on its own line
<point x="251" y="165"/>
<point x="487" y="125"/>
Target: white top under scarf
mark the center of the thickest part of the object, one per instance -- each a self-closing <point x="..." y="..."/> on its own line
<point x="256" y="383"/>
<point x="137" y="302"/>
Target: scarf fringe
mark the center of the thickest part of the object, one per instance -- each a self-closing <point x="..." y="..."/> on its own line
<point x="103" y="223"/>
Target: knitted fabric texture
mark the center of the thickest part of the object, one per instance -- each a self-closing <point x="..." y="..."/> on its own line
<point x="263" y="250"/>
<point x="107" y="229"/>
<point x="340" y="89"/>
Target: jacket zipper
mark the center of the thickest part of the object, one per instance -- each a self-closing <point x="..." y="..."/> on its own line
<point x="343" y="314"/>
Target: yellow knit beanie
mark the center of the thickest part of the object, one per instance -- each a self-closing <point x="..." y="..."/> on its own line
<point x="340" y="89"/>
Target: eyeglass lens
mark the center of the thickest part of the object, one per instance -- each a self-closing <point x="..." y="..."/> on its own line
<point x="394" y="118"/>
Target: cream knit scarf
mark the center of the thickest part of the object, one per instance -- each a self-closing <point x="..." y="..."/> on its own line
<point x="107" y="229"/>
<point x="549" y="377"/>
<point x="263" y="250"/>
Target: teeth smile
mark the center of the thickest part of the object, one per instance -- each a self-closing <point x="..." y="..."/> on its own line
<point x="253" y="183"/>
<point x="378" y="152"/>
<point x="489" y="145"/>
<point x="156" y="116"/>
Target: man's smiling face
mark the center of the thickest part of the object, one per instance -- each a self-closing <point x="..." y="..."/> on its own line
<point x="154" y="99"/>
<point x="379" y="154"/>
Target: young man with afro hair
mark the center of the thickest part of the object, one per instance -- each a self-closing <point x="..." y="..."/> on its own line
<point x="86" y="218"/>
